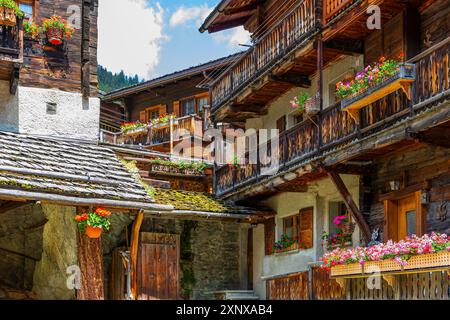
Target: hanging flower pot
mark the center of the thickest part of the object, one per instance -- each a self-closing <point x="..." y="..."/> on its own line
<point x="92" y="223"/>
<point x="57" y="29"/>
<point x="55" y="36"/>
<point x="93" y="232"/>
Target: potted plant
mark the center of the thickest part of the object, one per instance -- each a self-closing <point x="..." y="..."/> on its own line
<point x="286" y="244"/>
<point x="31" y="29"/>
<point x="92" y="223"/>
<point x="134" y="128"/>
<point x="57" y="29"/>
<point x="9" y="11"/>
<point x="344" y="224"/>
<point x="163" y="120"/>
<point x="304" y="103"/>
<point x="337" y="240"/>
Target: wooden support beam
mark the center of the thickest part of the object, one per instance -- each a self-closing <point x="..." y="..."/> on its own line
<point x="351" y="205"/>
<point x="346" y="46"/>
<point x="134" y="252"/>
<point x="90" y="261"/>
<point x="294" y="79"/>
<point x="11" y="205"/>
<point x="14" y="81"/>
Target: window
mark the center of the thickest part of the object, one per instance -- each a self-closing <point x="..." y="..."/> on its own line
<point x="28" y="8"/>
<point x="336" y="209"/>
<point x="300" y="228"/>
<point x="202" y="103"/>
<point x="154" y="114"/>
<point x="404" y="216"/>
<point x="188" y="107"/>
<point x="281" y="124"/>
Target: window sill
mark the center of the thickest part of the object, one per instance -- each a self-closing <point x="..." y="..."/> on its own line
<point x="285" y="253"/>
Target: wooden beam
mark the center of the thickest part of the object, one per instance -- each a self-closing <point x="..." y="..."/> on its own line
<point x="11" y="205"/>
<point x="294" y="79"/>
<point x="134" y="252"/>
<point x="229" y="24"/>
<point x="90" y="261"/>
<point x="346" y="46"/>
<point x="351" y="205"/>
<point x="242" y="10"/>
<point x="14" y="81"/>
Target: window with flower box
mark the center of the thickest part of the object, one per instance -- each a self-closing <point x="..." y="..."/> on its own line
<point x="300" y="229"/>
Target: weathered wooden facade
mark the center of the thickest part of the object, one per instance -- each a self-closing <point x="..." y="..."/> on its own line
<point x="384" y="163"/>
<point x="180" y="94"/>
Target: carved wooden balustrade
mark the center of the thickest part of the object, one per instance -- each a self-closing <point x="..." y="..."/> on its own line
<point x="338" y="128"/>
<point x="11" y="40"/>
<point x="289" y="32"/>
<point x="158" y="134"/>
<point x="331" y="8"/>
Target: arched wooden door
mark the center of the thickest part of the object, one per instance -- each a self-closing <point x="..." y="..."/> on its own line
<point x="158" y="267"/>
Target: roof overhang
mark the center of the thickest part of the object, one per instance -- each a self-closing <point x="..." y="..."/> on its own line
<point x="250" y="217"/>
<point x="226" y="15"/>
<point x="21" y="195"/>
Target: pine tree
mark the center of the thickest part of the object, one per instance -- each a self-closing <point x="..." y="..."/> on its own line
<point x="107" y="81"/>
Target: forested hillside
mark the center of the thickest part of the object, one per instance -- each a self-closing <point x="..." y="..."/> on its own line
<point x="107" y="81"/>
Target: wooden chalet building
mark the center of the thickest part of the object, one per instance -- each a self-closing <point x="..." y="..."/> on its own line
<point x="181" y="94"/>
<point x="382" y="158"/>
<point x="52" y="167"/>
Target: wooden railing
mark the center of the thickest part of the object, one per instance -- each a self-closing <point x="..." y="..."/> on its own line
<point x="298" y="24"/>
<point x="11" y="40"/>
<point x="156" y="134"/>
<point x="291" y="287"/>
<point x="331" y="8"/>
<point x="414" y="286"/>
<point x="337" y="127"/>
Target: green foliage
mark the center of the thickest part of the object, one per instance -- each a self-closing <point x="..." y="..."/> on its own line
<point x="95" y="219"/>
<point x="129" y="126"/>
<point x="57" y="22"/>
<point x="109" y="82"/>
<point x="283" y="244"/>
<point x="11" y="4"/>
<point x="29" y="27"/>
<point x="183" y="165"/>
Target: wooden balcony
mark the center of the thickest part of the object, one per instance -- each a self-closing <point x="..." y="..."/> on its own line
<point x="412" y="286"/>
<point x="332" y="8"/>
<point x="11" y="53"/>
<point x="156" y="136"/>
<point x="334" y="128"/>
<point x="295" y="28"/>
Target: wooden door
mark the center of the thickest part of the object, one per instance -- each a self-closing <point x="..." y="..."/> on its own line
<point x="408" y="217"/>
<point x="158" y="267"/>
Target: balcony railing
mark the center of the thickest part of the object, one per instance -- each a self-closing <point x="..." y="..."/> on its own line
<point x="283" y="37"/>
<point x="413" y="286"/>
<point x="331" y="8"/>
<point x="155" y="135"/>
<point x="11" y="41"/>
<point x="337" y="128"/>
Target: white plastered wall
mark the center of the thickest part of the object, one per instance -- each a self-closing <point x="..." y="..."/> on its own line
<point x="26" y="112"/>
<point x="318" y="197"/>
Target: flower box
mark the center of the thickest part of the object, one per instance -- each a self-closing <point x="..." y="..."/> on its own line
<point x="165" y="169"/>
<point x="346" y="270"/>
<point x="136" y="132"/>
<point x="381" y="266"/>
<point x="403" y="79"/>
<point x="8" y="17"/>
<point x="433" y="260"/>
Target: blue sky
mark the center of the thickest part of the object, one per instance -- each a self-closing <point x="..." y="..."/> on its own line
<point x="160" y="36"/>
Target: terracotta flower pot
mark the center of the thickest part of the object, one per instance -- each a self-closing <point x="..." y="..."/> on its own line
<point x="93" y="233"/>
<point x="55" y="36"/>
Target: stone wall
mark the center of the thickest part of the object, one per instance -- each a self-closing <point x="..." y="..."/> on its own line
<point x="59" y="253"/>
<point x="210" y="254"/>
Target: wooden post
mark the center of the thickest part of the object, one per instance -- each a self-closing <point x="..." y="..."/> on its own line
<point x="320" y="87"/>
<point x="90" y="259"/>
<point x="351" y="205"/>
<point x="171" y="135"/>
<point x="134" y="252"/>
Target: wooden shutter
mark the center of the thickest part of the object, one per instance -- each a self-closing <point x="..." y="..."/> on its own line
<point x="269" y="235"/>
<point x="305" y="228"/>
<point x="281" y="124"/>
<point x="142" y="116"/>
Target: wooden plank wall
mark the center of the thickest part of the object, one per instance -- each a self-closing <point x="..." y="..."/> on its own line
<point x="62" y="68"/>
<point x="412" y="166"/>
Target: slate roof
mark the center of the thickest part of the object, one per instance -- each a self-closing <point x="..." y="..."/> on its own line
<point x="76" y="169"/>
<point x="203" y="202"/>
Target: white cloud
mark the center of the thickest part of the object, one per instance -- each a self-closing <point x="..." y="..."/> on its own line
<point x="233" y="37"/>
<point x="130" y="36"/>
<point x="186" y="14"/>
